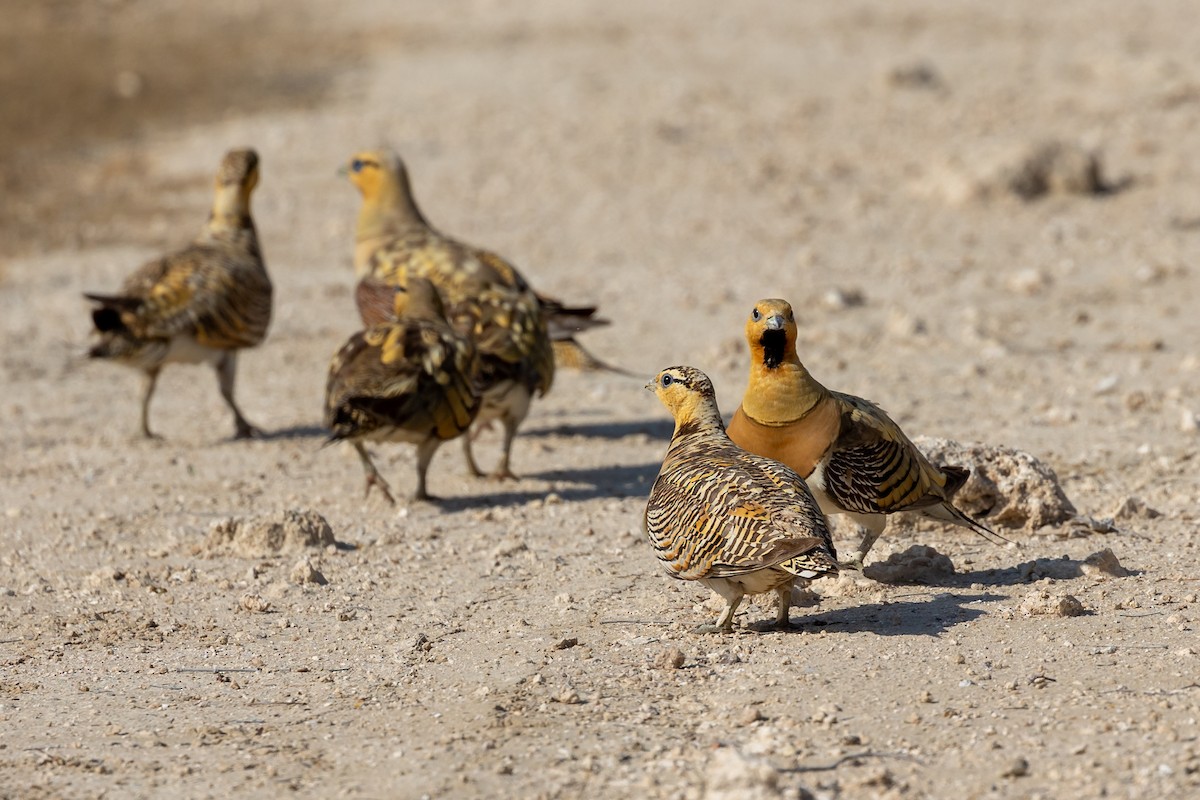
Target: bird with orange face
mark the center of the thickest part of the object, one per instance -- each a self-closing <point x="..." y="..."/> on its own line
<point x="486" y="298"/>
<point x="854" y="457"/>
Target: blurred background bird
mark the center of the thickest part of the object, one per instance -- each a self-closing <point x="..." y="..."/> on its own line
<point x="200" y="304"/>
<point x="739" y="523"/>
<point x="855" y="459"/>
<point x="407" y="378"/>
<point x="519" y="334"/>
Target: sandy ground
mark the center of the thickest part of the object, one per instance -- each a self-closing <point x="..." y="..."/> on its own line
<point x="860" y="159"/>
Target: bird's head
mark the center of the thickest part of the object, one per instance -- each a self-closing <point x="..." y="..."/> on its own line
<point x="771" y="332"/>
<point x="687" y="393"/>
<point x="238" y="174"/>
<point x="376" y="172"/>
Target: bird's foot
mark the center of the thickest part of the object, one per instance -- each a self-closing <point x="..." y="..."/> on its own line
<point x="713" y="628"/>
<point x="854" y="563"/>
<point x="247" y="431"/>
<point x="503" y="474"/>
<point x="375" y="480"/>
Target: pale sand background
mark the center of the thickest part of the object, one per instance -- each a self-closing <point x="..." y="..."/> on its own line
<point x="674" y="167"/>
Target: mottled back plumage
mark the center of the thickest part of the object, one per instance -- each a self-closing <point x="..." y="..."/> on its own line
<point x="854" y="456"/>
<point x="408" y="378"/>
<point x="486" y="298"/>
<point x="740" y="522"/>
<point x="202" y="303"/>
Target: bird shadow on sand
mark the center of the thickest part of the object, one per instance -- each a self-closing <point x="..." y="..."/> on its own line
<point x="931" y="617"/>
<point x="591" y="483"/>
<point x="294" y="432"/>
<point x="654" y="428"/>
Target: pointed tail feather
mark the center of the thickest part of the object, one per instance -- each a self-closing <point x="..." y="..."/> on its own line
<point x="948" y="513"/>
<point x="570" y="354"/>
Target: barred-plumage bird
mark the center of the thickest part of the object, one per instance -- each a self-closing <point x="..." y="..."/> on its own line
<point x="855" y="459"/>
<point x="406" y="379"/>
<point x="486" y="298"/>
<point x="740" y="523"/>
<point x="201" y="304"/>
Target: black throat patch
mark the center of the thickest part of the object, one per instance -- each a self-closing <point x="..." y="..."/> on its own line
<point x="773" y="344"/>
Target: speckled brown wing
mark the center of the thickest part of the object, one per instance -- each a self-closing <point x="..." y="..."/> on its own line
<point x="411" y="374"/>
<point x="485" y="298"/>
<point x="220" y="296"/>
<point x="873" y="468"/>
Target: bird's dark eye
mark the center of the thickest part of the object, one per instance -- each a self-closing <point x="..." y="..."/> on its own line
<point x="667" y="380"/>
<point x="357" y="164"/>
<point x="756" y="315"/>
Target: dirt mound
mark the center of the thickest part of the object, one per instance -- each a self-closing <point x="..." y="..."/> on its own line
<point x="917" y="564"/>
<point x="286" y="532"/>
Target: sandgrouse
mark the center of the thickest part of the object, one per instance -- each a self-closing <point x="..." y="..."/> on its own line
<point x="485" y="297"/>
<point x="739" y="523"/>
<point x="855" y="459"/>
<point x="200" y="304"/>
<point x="407" y="379"/>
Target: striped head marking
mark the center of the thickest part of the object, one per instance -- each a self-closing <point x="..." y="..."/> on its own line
<point x="686" y="392"/>
<point x="771" y="332"/>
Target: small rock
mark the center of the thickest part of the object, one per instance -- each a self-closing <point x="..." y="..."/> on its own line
<point x="750" y="715"/>
<point x="566" y="644"/>
<point x="838" y="299"/>
<point x="670" y="659"/>
<point x="1104" y="562"/>
<point x="254" y="603"/>
<point x="1019" y="768"/>
<point x="733" y="776"/>
<point x="1132" y="507"/>
<point x="1188" y="421"/>
<point x="1106" y="385"/>
<point x="1029" y="282"/>
<point x="305" y="573"/>
<point x="1041" y="602"/>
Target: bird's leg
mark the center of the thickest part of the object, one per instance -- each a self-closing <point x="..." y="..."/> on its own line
<point x="502" y="471"/>
<point x="873" y="526"/>
<point x="373" y="476"/>
<point x="226" y="372"/>
<point x="151" y="382"/>
<point x="785" y="603"/>
<point x="425" y="451"/>
<point x="733" y="595"/>
<point x="471" y="465"/>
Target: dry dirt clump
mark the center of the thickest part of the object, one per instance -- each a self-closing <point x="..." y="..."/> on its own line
<point x="305" y="573"/>
<point x="1043" y="602"/>
<point x="1026" y="172"/>
<point x="1104" y="563"/>
<point x="917" y="564"/>
<point x="285" y="532"/>
<point x="1010" y="488"/>
<point x="732" y="775"/>
<point x="1100" y="564"/>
